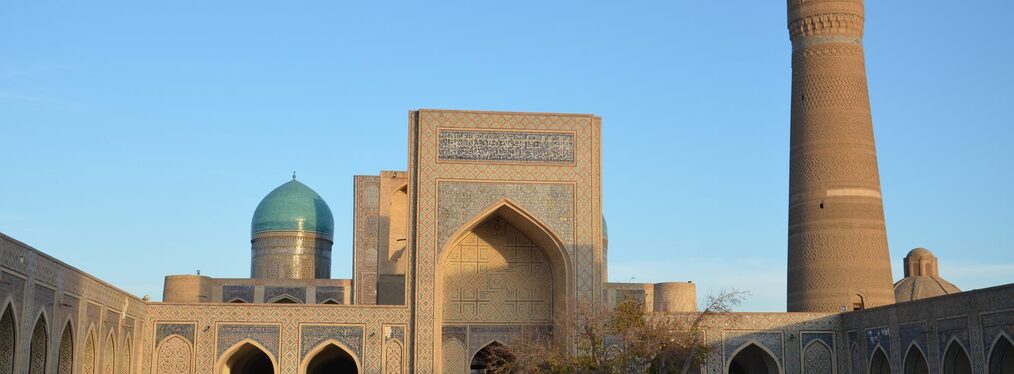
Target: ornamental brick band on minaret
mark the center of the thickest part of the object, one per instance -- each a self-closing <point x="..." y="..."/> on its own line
<point x="838" y="255"/>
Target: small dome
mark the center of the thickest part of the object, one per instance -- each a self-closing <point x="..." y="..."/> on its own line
<point x="920" y="253"/>
<point x="921" y="287"/>
<point x="605" y="228"/>
<point x="293" y="207"/>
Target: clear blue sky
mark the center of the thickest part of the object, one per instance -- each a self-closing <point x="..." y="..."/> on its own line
<point x="136" y="138"/>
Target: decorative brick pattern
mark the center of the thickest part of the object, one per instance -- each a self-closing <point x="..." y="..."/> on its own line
<point x="109" y="356"/>
<point x="878" y="336"/>
<point x="313" y="335"/>
<point x="298" y="293"/>
<point x="175" y="356"/>
<point x="65" y="358"/>
<point x="455" y="360"/>
<point x="7" y="343"/>
<point x="366" y="240"/>
<point x="265" y="335"/>
<point x="952" y="328"/>
<point x="37" y="353"/>
<point x="495" y="274"/>
<point x="817" y="359"/>
<point x="88" y="364"/>
<point x="185" y="330"/>
<point x="336" y="293"/>
<point x="505" y="146"/>
<point x="124" y="360"/>
<point x="772" y="341"/>
<point x="244" y="293"/>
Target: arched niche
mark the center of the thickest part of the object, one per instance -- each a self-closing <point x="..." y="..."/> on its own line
<point x="915" y="361"/>
<point x="1001" y="356"/>
<point x="330" y="357"/>
<point x="65" y="358"/>
<point x="173" y="356"/>
<point x="510" y="250"/>
<point x="490" y="358"/>
<point x="817" y="358"/>
<point x="753" y="359"/>
<point x="109" y="355"/>
<point x="8" y="340"/>
<point x="247" y="357"/>
<point x="37" y="349"/>
<point x="879" y="363"/>
<point x="956" y="360"/>
<point x="88" y="355"/>
<point x="125" y="353"/>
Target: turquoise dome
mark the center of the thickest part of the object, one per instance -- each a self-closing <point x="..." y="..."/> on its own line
<point x="293" y="207"/>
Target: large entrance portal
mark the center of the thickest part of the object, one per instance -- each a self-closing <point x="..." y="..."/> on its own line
<point x="248" y="359"/>
<point x="332" y="359"/>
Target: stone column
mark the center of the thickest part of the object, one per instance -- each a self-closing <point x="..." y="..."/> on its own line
<point x="837" y="243"/>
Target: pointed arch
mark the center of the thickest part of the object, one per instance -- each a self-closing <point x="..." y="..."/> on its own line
<point x="955" y="360"/>
<point x="915" y="360"/>
<point x="247" y="357"/>
<point x="109" y="354"/>
<point x="284" y="299"/>
<point x="237" y="301"/>
<point x="538" y="233"/>
<point x="65" y="357"/>
<point x="879" y="363"/>
<point x="817" y="358"/>
<point x="173" y="356"/>
<point x="38" y="347"/>
<point x="330" y="301"/>
<point x="330" y="356"/>
<point x="453" y="360"/>
<point x="1001" y="356"/>
<point x="88" y="365"/>
<point x="753" y="358"/>
<point x="490" y="357"/>
<point x="8" y="338"/>
<point x="125" y="353"/>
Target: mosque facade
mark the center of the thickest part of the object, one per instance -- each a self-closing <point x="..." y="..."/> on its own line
<point x="495" y="231"/>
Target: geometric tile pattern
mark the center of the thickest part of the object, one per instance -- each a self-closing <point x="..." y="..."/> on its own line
<point x="817" y="359"/>
<point x="506" y="146"/>
<point x="770" y="340"/>
<point x="88" y="364"/>
<point x="336" y="293"/>
<point x="265" y="335"/>
<point x="7" y="342"/>
<point x="913" y="332"/>
<point x="826" y="337"/>
<point x="174" y="357"/>
<point x="949" y="328"/>
<point x="37" y="356"/>
<point x="350" y="336"/>
<point x="878" y="336"/>
<point x="366" y="221"/>
<point x="125" y="357"/>
<point x="495" y="274"/>
<point x="65" y="358"/>
<point x="298" y="293"/>
<point x="185" y="330"/>
<point x="245" y="293"/>
<point x="109" y="356"/>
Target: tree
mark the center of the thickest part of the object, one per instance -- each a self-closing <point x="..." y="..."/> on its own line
<point x="625" y="339"/>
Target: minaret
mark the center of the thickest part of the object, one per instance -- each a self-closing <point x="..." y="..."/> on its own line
<point x="838" y="256"/>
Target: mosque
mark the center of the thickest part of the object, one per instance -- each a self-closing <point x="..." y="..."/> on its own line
<point x="495" y="231"/>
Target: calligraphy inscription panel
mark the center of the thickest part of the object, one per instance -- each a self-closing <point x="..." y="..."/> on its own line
<point x="506" y="146"/>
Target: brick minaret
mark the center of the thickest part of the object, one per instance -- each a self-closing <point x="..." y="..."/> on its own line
<point x="837" y="238"/>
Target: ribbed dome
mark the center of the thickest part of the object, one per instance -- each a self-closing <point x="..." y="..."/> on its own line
<point x="920" y="253"/>
<point x="293" y="207"/>
<point x="921" y="287"/>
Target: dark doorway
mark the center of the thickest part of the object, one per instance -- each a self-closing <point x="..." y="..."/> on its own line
<point x="249" y="359"/>
<point x="956" y="360"/>
<point x="879" y="364"/>
<point x="1001" y="358"/>
<point x="493" y="358"/>
<point x="332" y="359"/>
<point x="915" y="362"/>
<point x="753" y="360"/>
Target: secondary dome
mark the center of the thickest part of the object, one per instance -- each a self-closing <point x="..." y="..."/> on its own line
<point x="293" y="207"/>
<point x="922" y="278"/>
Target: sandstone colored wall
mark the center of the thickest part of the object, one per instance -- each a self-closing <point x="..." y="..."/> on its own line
<point x="38" y="287"/>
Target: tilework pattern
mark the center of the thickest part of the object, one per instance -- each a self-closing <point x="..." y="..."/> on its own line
<point x="88" y="364"/>
<point x="37" y="353"/>
<point x="772" y="341"/>
<point x="826" y="337"/>
<point x="65" y="360"/>
<point x="913" y="332"/>
<point x="298" y="293"/>
<point x="245" y="293"/>
<point x="6" y="341"/>
<point x="956" y="328"/>
<point x="175" y="356"/>
<point x="366" y="240"/>
<point x="265" y="335"/>
<point x="124" y="359"/>
<point x="878" y="336"/>
<point x="455" y="359"/>
<point x="817" y="359"/>
<point x="313" y="335"/>
<point x="185" y="330"/>
<point x="995" y="324"/>
<point x="495" y="274"/>
<point x="109" y="356"/>
<point x="336" y="293"/>
<point x="506" y="146"/>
